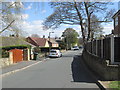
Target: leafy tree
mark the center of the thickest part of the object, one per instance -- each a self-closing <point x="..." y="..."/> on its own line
<point x="70" y="37"/>
<point x="36" y="50"/>
<point x="76" y="13"/>
<point x="62" y="45"/>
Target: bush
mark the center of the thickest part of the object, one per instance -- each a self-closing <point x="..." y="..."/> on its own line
<point x="36" y="50"/>
<point x="5" y="54"/>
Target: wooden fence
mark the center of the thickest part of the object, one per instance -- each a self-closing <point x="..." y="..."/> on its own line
<point x="108" y="49"/>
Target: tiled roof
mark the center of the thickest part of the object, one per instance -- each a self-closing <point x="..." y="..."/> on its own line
<point x="39" y="41"/>
<point x="52" y="40"/>
<point x="116" y="14"/>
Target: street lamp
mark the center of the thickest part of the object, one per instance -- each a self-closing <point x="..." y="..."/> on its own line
<point x="49" y="40"/>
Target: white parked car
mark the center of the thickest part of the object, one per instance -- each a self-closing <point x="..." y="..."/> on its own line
<point x="55" y="53"/>
<point x="75" y="48"/>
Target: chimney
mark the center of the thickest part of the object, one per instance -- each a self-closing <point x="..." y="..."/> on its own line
<point x="43" y="36"/>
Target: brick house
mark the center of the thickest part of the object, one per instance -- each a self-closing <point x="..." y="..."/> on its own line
<point x="53" y="42"/>
<point x="116" y="19"/>
<point x="40" y="42"/>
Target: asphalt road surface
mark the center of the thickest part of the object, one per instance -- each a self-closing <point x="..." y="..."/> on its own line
<point x="68" y="71"/>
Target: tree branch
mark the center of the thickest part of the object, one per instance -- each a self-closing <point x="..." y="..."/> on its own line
<point x="7" y="26"/>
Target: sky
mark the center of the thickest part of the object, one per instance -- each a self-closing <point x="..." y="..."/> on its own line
<point x="35" y="13"/>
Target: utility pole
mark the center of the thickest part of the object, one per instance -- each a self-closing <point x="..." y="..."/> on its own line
<point x="49" y="41"/>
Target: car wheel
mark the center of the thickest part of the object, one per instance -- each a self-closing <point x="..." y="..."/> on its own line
<point x="58" y="56"/>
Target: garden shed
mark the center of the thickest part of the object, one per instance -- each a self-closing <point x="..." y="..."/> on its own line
<point x="15" y="48"/>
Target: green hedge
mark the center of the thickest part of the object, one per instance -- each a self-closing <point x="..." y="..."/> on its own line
<point x="4" y="50"/>
<point x="16" y="46"/>
<point x="4" y="53"/>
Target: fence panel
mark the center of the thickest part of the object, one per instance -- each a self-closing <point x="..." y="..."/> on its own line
<point x="99" y="48"/>
<point x="106" y="49"/>
<point x="102" y="48"/>
<point x="117" y="49"/>
<point x="94" y="47"/>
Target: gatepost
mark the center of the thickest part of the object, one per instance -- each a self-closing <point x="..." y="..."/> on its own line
<point x="112" y="49"/>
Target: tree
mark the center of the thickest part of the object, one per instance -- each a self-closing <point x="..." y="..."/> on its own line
<point x="70" y="37"/>
<point x="76" y="13"/>
<point x="35" y="35"/>
<point x="62" y="45"/>
<point x="10" y="16"/>
<point x="96" y="27"/>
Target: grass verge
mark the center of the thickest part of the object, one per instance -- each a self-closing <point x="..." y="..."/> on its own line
<point x="115" y="84"/>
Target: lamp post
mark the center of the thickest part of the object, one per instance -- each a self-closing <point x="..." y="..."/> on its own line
<point x="49" y="40"/>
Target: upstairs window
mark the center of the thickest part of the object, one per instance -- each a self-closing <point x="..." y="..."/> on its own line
<point x="116" y="21"/>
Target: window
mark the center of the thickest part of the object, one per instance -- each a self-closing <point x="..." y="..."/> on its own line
<point x="116" y="21"/>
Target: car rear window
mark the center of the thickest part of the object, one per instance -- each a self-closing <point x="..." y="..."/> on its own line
<point x="53" y="51"/>
<point x="75" y="47"/>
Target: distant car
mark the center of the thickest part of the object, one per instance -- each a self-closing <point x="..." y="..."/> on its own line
<point x="55" y="53"/>
<point x="81" y="47"/>
<point x="75" y="48"/>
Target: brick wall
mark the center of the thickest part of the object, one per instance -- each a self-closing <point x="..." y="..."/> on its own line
<point x="101" y="67"/>
<point x="6" y="61"/>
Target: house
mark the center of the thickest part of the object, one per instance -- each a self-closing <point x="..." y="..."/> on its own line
<point x="116" y="19"/>
<point x="15" y="49"/>
<point x="40" y="42"/>
<point x="52" y="42"/>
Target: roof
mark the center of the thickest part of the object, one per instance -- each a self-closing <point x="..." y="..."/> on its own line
<point x="39" y="41"/>
<point x="12" y="41"/>
<point x="116" y="14"/>
<point x="52" y="40"/>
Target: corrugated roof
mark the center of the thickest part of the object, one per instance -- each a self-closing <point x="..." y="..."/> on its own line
<point x="12" y="41"/>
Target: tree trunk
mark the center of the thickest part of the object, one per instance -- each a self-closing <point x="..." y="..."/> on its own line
<point x="88" y="17"/>
<point x="89" y="29"/>
<point x="81" y="22"/>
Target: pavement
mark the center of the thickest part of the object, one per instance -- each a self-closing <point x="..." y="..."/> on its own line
<point x="19" y="66"/>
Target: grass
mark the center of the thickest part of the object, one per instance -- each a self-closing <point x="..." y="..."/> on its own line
<point x="115" y="84"/>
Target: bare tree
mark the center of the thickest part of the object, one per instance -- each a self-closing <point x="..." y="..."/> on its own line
<point x="35" y="35"/>
<point x="10" y="16"/>
<point x="76" y="13"/>
<point x="95" y="27"/>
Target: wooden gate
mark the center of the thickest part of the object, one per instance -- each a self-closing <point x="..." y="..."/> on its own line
<point x="17" y="55"/>
<point x="25" y="54"/>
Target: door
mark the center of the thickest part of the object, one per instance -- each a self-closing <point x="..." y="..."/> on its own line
<point x="25" y="54"/>
<point x="17" y="55"/>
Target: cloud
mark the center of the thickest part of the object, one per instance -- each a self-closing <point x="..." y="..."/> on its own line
<point x="29" y="7"/>
<point x="25" y="16"/>
<point x="43" y="11"/>
<point x="108" y="28"/>
<point x="34" y="27"/>
<point x="18" y="16"/>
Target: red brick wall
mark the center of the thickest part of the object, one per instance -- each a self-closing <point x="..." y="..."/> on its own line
<point x="117" y="28"/>
<point x="119" y="25"/>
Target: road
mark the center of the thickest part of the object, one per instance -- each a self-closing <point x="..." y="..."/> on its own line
<point x="68" y="71"/>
